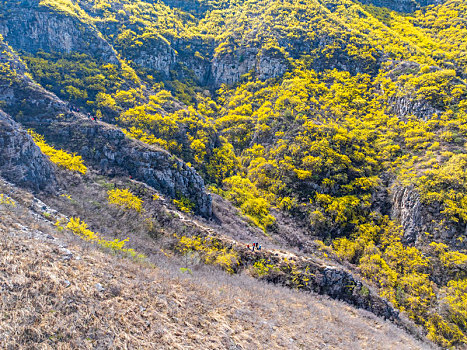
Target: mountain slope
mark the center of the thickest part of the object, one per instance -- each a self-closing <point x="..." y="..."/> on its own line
<point x="402" y="5"/>
<point x="336" y="128"/>
<point x="21" y="160"/>
<point x="79" y="297"/>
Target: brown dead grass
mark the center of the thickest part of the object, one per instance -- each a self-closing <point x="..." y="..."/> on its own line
<point x="49" y="302"/>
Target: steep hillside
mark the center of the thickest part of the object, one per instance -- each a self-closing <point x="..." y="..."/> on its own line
<point x="402" y="5"/>
<point x="60" y="293"/>
<point x="102" y="145"/>
<point x="21" y="161"/>
<point x="334" y="131"/>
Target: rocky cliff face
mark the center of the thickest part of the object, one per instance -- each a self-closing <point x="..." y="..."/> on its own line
<point x="408" y="210"/>
<point x="109" y="150"/>
<point x="21" y="161"/>
<point x="402" y="5"/>
<point x="229" y="67"/>
<point x="417" y="217"/>
<point x="32" y="27"/>
<point x="156" y="55"/>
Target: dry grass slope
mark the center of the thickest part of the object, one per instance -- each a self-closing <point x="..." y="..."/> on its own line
<point x="60" y="293"/>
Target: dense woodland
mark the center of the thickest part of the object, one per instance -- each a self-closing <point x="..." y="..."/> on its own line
<point x="365" y="100"/>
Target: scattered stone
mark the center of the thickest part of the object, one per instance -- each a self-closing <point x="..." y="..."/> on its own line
<point x="66" y="283"/>
<point x="99" y="287"/>
<point x="67" y="254"/>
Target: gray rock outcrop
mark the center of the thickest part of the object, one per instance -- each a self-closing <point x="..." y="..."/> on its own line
<point x="108" y="149"/>
<point x="32" y="27"/>
<point x="408" y="210"/>
<point x="402" y="5"/>
<point x="21" y="161"/>
<point x="417" y="217"/>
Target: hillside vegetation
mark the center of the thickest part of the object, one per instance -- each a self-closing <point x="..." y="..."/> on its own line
<point x="348" y="120"/>
<point x="59" y="293"/>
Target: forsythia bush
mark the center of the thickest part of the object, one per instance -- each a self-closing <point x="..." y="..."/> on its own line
<point x="184" y="204"/>
<point x="59" y="157"/>
<point x="211" y="251"/>
<point x="7" y="201"/>
<point x="126" y="199"/>
<point x="80" y="228"/>
<point x="402" y="274"/>
<point x="244" y="194"/>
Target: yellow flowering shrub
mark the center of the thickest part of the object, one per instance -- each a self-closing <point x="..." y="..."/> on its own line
<point x="126" y="199"/>
<point x="184" y="204"/>
<point x="211" y="251"/>
<point x="7" y="201"/>
<point x="60" y="157"/>
<point x="80" y="229"/>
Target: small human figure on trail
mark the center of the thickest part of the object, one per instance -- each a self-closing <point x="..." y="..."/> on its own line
<point x="253" y="249"/>
<point x="259" y="247"/>
<point x="248" y="246"/>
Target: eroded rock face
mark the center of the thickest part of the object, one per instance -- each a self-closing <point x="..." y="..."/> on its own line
<point x="21" y="161"/>
<point x="154" y="54"/>
<point x="32" y="28"/>
<point x="340" y="284"/>
<point x="417" y="217"/>
<point x="109" y="150"/>
<point x="408" y="210"/>
<point x="228" y="68"/>
<point x="402" y="5"/>
<point x="406" y="105"/>
<point x="270" y="67"/>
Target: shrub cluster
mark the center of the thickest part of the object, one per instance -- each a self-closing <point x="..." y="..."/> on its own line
<point x="60" y="157"/>
<point x="80" y="228"/>
<point x="211" y="251"/>
<point x="125" y="199"/>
